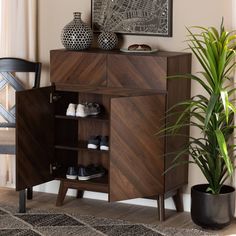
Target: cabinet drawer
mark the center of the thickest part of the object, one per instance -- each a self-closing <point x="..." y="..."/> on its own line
<point x="73" y="67"/>
<point x="137" y="71"/>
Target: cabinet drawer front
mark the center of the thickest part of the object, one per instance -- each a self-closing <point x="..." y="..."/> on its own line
<point x="132" y="71"/>
<point x="136" y="155"/>
<point x="81" y="68"/>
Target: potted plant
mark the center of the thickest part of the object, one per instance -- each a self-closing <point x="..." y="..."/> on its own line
<point x="211" y="112"/>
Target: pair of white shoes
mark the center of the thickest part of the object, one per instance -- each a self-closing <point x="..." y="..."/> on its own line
<point x="76" y="110"/>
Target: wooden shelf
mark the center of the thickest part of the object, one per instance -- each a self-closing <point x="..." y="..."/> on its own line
<point x="93" y="118"/>
<point x="81" y="146"/>
<point x="96" y="185"/>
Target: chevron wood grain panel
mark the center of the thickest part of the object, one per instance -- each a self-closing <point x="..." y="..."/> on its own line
<point x="136" y="155"/>
<point x="130" y="71"/>
<point x="178" y="90"/>
<point x="34" y="137"/>
<point x="73" y="67"/>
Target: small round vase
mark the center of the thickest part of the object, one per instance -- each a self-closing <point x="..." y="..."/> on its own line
<point x="107" y="40"/>
<point x="77" y="35"/>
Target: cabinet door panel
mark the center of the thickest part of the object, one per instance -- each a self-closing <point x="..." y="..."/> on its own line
<point x="81" y="68"/>
<point x="129" y="71"/>
<point x="136" y="155"/>
<point x="34" y="137"/>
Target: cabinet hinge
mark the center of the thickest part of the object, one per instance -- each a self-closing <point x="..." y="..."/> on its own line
<point x="52" y="167"/>
<point x="54" y="97"/>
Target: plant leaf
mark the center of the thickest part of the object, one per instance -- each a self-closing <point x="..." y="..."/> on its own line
<point x="210" y="108"/>
<point x="225" y="101"/>
<point x="224" y="151"/>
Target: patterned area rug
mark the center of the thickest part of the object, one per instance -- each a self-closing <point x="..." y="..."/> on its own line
<point x="40" y="222"/>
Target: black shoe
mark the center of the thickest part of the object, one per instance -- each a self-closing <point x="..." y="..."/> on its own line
<point x="93" y="142"/>
<point x="72" y="172"/>
<point x="104" y="143"/>
<point x="90" y="172"/>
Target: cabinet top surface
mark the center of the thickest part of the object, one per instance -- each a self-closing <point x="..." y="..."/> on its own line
<point x="118" y="52"/>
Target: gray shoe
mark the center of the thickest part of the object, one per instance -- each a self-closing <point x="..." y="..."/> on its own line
<point x="88" y="109"/>
<point x="93" y="108"/>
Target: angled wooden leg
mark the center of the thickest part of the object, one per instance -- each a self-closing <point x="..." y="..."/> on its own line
<point x="30" y="193"/>
<point x="178" y="201"/>
<point x="62" y="193"/>
<point x="22" y="201"/>
<point x="80" y="194"/>
<point x="161" y="207"/>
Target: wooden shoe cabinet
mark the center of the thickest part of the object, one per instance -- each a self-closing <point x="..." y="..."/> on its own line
<point x="135" y="95"/>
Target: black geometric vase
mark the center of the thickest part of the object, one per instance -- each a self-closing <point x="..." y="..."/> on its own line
<point x="77" y="35"/>
<point x="212" y="211"/>
<point x="107" y="40"/>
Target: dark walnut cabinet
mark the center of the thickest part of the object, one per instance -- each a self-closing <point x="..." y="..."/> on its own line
<point x="135" y="94"/>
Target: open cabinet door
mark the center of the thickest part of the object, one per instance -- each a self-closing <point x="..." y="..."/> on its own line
<point x="136" y="154"/>
<point x="34" y="137"/>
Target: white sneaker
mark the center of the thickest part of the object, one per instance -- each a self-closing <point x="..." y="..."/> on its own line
<point x="71" y="110"/>
<point x="81" y="111"/>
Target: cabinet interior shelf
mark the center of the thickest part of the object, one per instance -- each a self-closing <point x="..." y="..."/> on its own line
<point x="81" y="146"/>
<point x="94" y="118"/>
<point x="97" y="184"/>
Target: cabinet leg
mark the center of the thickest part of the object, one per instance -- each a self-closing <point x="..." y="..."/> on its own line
<point x="22" y="201"/>
<point x="30" y="193"/>
<point x="161" y="207"/>
<point x="80" y="194"/>
<point x="61" y="194"/>
<point x="178" y="201"/>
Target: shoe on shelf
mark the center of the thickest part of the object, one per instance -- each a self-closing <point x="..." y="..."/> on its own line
<point x="94" y="142"/>
<point x="99" y="168"/>
<point x="93" y="108"/>
<point x="72" y="172"/>
<point x="81" y="111"/>
<point x="90" y="172"/>
<point x="88" y="109"/>
<point x="104" y="143"/>
<point x="71" y="109"/>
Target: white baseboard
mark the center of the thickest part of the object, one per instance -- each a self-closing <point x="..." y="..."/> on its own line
<point x="52" y="187"/>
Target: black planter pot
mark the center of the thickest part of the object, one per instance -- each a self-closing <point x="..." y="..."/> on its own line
<point x="212" y="211"/>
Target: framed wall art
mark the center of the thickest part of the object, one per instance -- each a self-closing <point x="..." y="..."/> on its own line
<point x="144" y="17"/>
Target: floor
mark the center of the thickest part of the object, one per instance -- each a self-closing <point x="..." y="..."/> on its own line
<point x="133" y="213"/>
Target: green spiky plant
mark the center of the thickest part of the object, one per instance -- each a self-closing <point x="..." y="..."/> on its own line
<point x="212" y="113"/>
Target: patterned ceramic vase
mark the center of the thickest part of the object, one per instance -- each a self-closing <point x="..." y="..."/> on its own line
<point x="76" y="35"/>
<point x="107" y="40"/>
